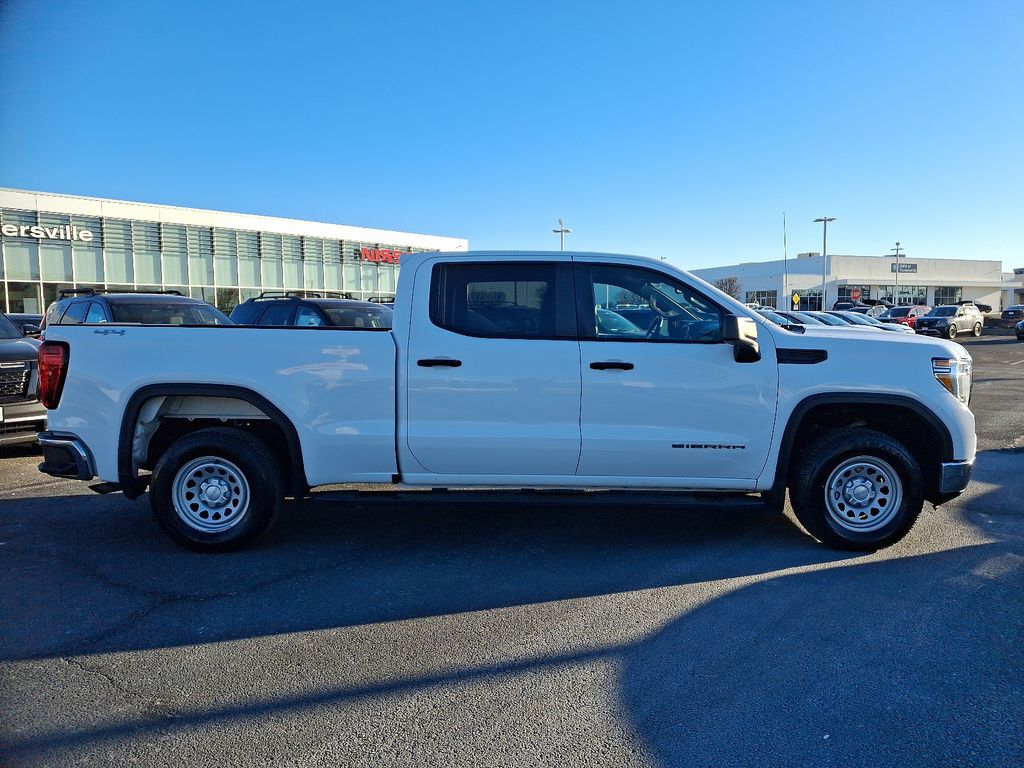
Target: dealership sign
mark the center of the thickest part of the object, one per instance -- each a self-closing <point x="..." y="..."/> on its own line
<point x="904" y="268"/>
<point x="381" y="254"/>
<point x="71" y="232"/>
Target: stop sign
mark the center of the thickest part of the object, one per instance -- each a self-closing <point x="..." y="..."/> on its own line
<point x="855" y="294"/>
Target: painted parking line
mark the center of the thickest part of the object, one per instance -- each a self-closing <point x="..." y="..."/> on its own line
<point x="1018" y="362"/>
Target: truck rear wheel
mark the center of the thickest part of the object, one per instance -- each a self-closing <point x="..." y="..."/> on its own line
<point x="857" y="490"/>
<point x="216" y="490"/>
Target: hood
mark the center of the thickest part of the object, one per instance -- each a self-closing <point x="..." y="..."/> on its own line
<point x="18" y="350"/>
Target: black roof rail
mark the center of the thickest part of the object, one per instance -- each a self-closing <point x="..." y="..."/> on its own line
<point x="68" y="292"/>
<point x="287" y="295"/>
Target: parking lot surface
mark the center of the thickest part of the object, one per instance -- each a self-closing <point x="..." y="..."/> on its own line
<point x="554" y="632"/>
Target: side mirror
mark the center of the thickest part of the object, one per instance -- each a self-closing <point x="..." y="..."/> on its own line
<point x="30" y="330"/>
<point x="741" y="332"/>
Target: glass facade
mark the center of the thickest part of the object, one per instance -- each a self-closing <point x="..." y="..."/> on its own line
<point x="948" y="294"/>
<point x="844" y="292"/>
<point x="909" y="295"/>
<point x="43" y="253"/>
<point x="765" y="298"/>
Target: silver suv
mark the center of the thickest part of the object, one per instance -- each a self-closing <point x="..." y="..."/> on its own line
<point x="950" y="320"/>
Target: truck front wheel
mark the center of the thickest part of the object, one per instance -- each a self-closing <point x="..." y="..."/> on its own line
<point x="857" y="489"/>
<point x="216" y="490"/>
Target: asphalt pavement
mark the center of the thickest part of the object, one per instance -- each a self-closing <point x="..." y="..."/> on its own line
<point x="563" y="632"/>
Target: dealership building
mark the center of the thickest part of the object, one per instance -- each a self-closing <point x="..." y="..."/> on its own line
<point x="918" y="281"/>
<point x="52" y="242"/>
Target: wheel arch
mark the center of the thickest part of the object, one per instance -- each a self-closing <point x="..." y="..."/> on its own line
<point x="931" y="443"/>
<point x="132" y="486"/>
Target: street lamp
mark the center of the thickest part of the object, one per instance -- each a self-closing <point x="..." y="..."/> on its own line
<point x="823" y="220"/>
<point x="562" y="231"/>
<point x="896" y="290"/>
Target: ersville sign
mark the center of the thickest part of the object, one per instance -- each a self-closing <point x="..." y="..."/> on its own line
<point x="71" y="232"/>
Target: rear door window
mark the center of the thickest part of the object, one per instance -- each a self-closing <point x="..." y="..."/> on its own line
<point x="276" y="315"/>
<point x="76" y="313"/>
<point x="95" y="313"/>
<point x="308" y="317"/>
<point x="510" y="300"/>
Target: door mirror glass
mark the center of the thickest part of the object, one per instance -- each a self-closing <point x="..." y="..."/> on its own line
<point x="741" y="332"/>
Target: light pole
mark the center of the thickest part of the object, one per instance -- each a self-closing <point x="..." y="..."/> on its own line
<point x="896" y="290"/>
<point x="562" y="231"/>
<point x="824" y="220"/>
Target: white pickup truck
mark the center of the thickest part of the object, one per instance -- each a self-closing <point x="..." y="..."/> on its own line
<point x="518" y="370"/>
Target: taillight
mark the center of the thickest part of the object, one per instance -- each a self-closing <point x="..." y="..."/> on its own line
<point x="53" y="368"/>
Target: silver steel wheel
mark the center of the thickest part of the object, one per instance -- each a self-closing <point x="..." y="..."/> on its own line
<point x="863" y="494"/>
<point x="977" y="330"/>
<point x="210" y="494"/>
<point x="951" y="331"/>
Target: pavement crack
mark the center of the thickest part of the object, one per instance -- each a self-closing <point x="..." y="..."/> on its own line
<point x="151" y="706"/>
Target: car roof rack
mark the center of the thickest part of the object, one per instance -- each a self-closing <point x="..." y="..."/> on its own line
<point x="69" y="292"/>
<point x="287" y="295"/>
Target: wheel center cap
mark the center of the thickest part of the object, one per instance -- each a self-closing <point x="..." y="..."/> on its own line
<point x="859" y="492"/>
<point x="215" y="492"/>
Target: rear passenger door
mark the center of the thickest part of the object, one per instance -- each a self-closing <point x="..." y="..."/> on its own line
<point x="493" y="375"/>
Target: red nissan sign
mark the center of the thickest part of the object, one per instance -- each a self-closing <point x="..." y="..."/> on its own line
<point x="855" y="294"/>
<point x="381" y="254"/>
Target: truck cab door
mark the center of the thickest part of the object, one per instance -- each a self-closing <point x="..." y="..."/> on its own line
<point x="665" y="401"/>
<point x="493" y="370"/>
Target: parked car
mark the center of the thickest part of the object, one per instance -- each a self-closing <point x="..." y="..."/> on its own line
<point x="28" y="324"/>
<point x="860" y="427"/>
<point x="905" y="315"/>
<point x="1013" y="312"/>
<point x="21" y="413"/>
<point x="971" y="302"/>
<point x="90" y="306"/>
<point x="1019" y="329"/>
<point x="860" y="319"/>
<point x="836" y="321"/>
<point x="286" y="310"/>
<point x="802" y="318"/>
<point x="951" y="320"/>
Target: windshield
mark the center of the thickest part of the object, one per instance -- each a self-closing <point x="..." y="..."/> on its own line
<point x="360" y="317"/>
<point x="943" y="312"/>
<point x="831" y="320"/>
<point x="167" y="313"/>
<point x="854" y="318"/>
<point x="803" y="317"/>
<point x="898" y="312"/>
<point x="8" y="329"/>
<point x="775" y="317"/>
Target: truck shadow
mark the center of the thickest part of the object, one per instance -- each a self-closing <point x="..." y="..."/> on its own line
<point x="94" y="574"/>
<point x="912" y="660"/>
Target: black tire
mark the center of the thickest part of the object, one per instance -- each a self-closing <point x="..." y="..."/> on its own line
<point x="951" y="331"/>
<point x="211" y="452"/>
<point x="977" y="330"/>
<point x="819" y="516"/>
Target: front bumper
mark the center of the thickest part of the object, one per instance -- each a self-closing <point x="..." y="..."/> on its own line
<point x="66" y="456"/>
<point x="955" y="476"/>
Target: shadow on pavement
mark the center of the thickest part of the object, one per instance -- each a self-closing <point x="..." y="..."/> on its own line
<point x="94" y="574"/>
<point x="914" y="661"/>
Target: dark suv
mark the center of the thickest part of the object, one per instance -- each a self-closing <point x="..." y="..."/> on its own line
<point x="92" y="305"/>
<point x="21" y="413"/>
<point x="312" y="310"/>
<point x="950" y="321"/>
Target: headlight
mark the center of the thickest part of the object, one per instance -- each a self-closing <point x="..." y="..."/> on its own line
<point x="955" y="375"/>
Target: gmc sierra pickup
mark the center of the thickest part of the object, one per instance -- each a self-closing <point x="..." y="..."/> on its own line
<point x="518" y="370"/>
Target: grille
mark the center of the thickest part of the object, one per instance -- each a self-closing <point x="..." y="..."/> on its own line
<point x="13" y="385"/>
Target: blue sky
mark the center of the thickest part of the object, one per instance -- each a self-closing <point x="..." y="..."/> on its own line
<point x="681" y="130"/>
